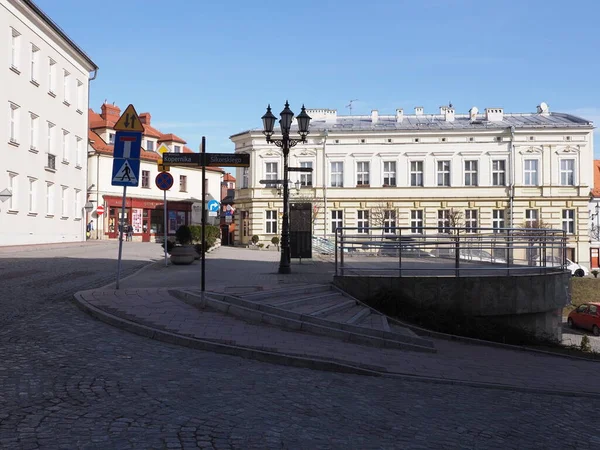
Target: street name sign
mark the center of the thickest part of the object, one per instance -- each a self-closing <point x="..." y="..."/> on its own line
<point x="271" y="181"/>
<point x="227" y="160"/>
<point x="300" y="169"/>
<point x="182" y="159"/>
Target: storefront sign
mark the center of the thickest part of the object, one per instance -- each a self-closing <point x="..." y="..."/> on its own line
<point x="136" y="218"/>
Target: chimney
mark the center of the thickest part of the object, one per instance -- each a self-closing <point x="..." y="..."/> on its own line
<point x="418" y="110"/>
<point x="374" y="116"/>
<point x="473" y="114"/>
<point x="110" y="112"/>
<point x="443" y="110"/>
<point x="449" y="114"/>
<point x="145" y="118"/>
<point x="399" y="115"/>
<point x="494" y="114"/>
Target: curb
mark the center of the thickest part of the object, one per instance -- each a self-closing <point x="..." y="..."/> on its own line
<point x="137" y="272"/>
<point x="295" y="360"/>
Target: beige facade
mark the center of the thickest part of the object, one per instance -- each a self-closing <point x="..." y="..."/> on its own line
<point x="497" y="169"/>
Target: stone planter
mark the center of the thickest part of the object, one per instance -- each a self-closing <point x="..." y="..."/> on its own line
<point x="183" y="254"/>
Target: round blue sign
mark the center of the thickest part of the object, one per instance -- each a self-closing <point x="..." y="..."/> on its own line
<point x="164" y="181"/>
<point x="213" y="205"/>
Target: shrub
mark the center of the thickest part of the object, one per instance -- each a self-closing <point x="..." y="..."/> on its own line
<point x="595" y="272"/>
<point x="585" y="344"/>
<point x="198" y="248"/>
<point x="261" y="245"/>
<point x="212" y="233"/>
<point x="170" y="245"/>
<point x="275" y="240"/>
<point x="184" y="235"/>
<point x="255" y="239"/>
<point x="196" y="233"/>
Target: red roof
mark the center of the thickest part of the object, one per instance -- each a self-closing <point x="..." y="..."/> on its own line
<point x="596" y="188"/>
<point x="171" y="137"/>
<point x="228" y="177"/>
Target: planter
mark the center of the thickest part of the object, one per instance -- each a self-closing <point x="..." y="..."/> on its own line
<point x="183" y="254"/>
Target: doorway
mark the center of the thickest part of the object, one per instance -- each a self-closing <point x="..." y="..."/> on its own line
<point x="146" y="228"/>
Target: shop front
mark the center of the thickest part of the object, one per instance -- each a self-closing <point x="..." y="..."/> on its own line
<point x="146" y="217"/>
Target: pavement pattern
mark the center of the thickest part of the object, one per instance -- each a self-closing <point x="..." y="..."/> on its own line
<point x="68" y="381"/>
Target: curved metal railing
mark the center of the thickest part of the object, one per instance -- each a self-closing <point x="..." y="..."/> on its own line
<point x="450" y="251"/>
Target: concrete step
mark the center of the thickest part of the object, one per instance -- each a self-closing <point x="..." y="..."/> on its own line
<point x="287" y="303"/>
<point x="375" y="321"/>
<point x="345" y="315"/>
<point x="337" y="307"/>
<point x="360" y="315"/>
<point x="288" y="291"/>
<point x="316" y="305"/>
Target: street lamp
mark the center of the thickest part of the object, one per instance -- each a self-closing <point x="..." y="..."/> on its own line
<point x="596" y="232"/>
<point x="285" y="143"/>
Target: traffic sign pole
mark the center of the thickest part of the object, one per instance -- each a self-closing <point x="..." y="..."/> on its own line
<point x="165" y="224"/>
<point x="121" y="232"/>
<point x="202" y="278"/>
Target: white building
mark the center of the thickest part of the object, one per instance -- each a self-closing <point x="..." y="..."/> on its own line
<point x="144" y="203"/>
<point x="497" y="169"/>
<point x="45" y="79"/>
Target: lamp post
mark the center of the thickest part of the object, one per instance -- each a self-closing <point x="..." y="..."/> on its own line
<point x="285" y="143"/>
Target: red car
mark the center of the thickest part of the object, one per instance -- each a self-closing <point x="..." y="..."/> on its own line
<point x="586" y="316"/>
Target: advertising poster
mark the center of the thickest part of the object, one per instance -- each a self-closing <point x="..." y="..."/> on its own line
<point x="172" y="222"/>
<point x="137" y="220"/>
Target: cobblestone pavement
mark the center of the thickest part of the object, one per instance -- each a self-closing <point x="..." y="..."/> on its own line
<point x="68" y="381"/>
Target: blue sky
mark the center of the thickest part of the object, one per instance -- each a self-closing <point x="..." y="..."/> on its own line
<point x="210" y="67"/>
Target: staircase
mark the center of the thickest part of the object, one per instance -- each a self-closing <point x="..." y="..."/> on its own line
<point x="320" y="309"/>
<point x="323" y="246"/>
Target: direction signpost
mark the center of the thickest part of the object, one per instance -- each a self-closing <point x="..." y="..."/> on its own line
<point x="126" y="163"/>
<point x="205" y="160"/>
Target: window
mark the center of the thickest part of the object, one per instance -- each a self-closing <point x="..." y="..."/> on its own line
<point x="531" y="172"/>
<point x="443" y="173"/>
<point x="64" y="201"/>
<point x="443" y="221"/>
<point x="498" y="220"/>
<point x="337" y="174"/>
<point x="245" y="223"/>
<point x="567" y="172"/>
<point x="416" y="173"/>
<point x="50" y="138"/>
<point x="15" y="38"/>
<point x="14" y="123"/>
<point x="51" y="76"/>
<point x="306" y="177"/>
<point x="32" y="195"/>
<point x="13" y="185"/>
<point x="145" y="178"/>
<point x="78" y="151"/>
<point x="337" y="219"/>
<point x="149" y="145"/>
<point x="80" y="93"/>
<point x="33" y="131"/>
<point x="362" y="173"/>
<point x="51" y="162"/>
<point x="499" y="172"/>
<point x="49" y="199"/>
<point x="568" y="221"/>
<point x="34" y="63"/>
<point x="531" y="218"/>
<point x="111" y="138"/>
<point x="363" y="221"/>
<point x="67" y="87"/>
<point x="183" y="183"/>
<point x="389" y="221"/>
<point x="471" y="220"/>
<point x="78" y="211"/>
<point x="271" y="223"/>
<point x="245" y="177"/>
<point x="65" y="145"/>
<point x="470" y="173"/>
<point x="271" y="171"/>
<point x="389" y="173"/>
<point x="416" y="221"/>
<point x="177" y="148"/>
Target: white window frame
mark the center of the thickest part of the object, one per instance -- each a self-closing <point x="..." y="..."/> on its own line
<point x="52" y="76"/>
<point x="529" y="172"/>
<point x="15" y="49"/>
<point x="79" y="92"/>
<point x="363" y="170"/>
<point x="65" y="145"/>
<point x="78" y="209"/>
<point x="444" y="172"/>
<point x="568" y="221"/>
<point x="13" y="129"/>
<point x="416" y="168"/>
<point x="471" y="220"/>
<point x="271" y="170"/>
<point x="306" y="178"/>
<point x="34" y="63"/>
<point x="64" y="207"/>
<point x="389" y="221"/>
<point x="531" y="216"/>
<point x="362" y="221"/>
<point x="567" y="174"/>
<point x="471" y="172"/>
<point x="498" y="220"/>
<point x="78" y="151"/>
<point x="390" y="173"/>
<point x="416" y="221"/>
<point x="13" y="185"/>
<point x="499" y="172"/>
<point x="32" y="195"/>
<point x="50" y="138"/>
<point x="33" y="131"/>
<point x="336" y="173"/>
<point x="50" y="198"/>
<point x="337" y="219"/>
<point x="66" y="87"/>
<point x="443" y="220"/>
<point x="177" y="149"/>
<point x="271" y="221"/>
<point x="245" y="177"/>
<point x="149" y="145"/>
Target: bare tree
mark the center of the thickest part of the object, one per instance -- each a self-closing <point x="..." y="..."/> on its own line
<point x="379" y="214"/>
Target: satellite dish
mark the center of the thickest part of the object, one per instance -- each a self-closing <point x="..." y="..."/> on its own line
<point x="543" y="108"/>
<point x="473" y="112"/>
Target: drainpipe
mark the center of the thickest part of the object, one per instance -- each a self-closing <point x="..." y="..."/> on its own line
<point x="325" y="134"/>
<point x="512" y="175"/>
<point x="87" y="113"/>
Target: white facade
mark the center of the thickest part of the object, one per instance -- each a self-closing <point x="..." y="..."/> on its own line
<point x="44" y="128"/>
<point x="497" y="169"/>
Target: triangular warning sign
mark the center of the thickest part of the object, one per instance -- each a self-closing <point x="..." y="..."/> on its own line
<point x="125" y="174"/>
<point x="129" y="121"/>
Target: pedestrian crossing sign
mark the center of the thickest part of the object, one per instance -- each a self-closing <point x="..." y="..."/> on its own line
<point x="125" y="172"/>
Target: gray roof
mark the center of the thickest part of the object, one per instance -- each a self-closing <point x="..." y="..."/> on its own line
<point x="435" y="122"/>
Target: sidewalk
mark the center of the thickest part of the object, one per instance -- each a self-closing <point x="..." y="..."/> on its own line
<point x="147" y="305"/>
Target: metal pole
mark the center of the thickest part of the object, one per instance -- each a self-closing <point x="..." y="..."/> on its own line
<point x="284" y="262"/>
<point x="203" y="256"/>
<point x="324" y="169"/>
<point x="121" y="235"/>
<point x="165" y="225"/>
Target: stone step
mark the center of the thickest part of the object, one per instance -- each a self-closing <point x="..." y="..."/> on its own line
<point x="287" y="303"/>
<point x="316" y="305"/>
<point x="286" y="291"/>
<point x="337" y="307"/>
<point x="360" y="315"/>
<point x="376" y="322"/>
<point x="345" y="315"/>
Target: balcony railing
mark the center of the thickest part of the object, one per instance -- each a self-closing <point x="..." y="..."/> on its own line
<point x="457" y="251"/>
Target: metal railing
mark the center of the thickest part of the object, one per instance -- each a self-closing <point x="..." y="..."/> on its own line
<point x="449" y="251"/>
